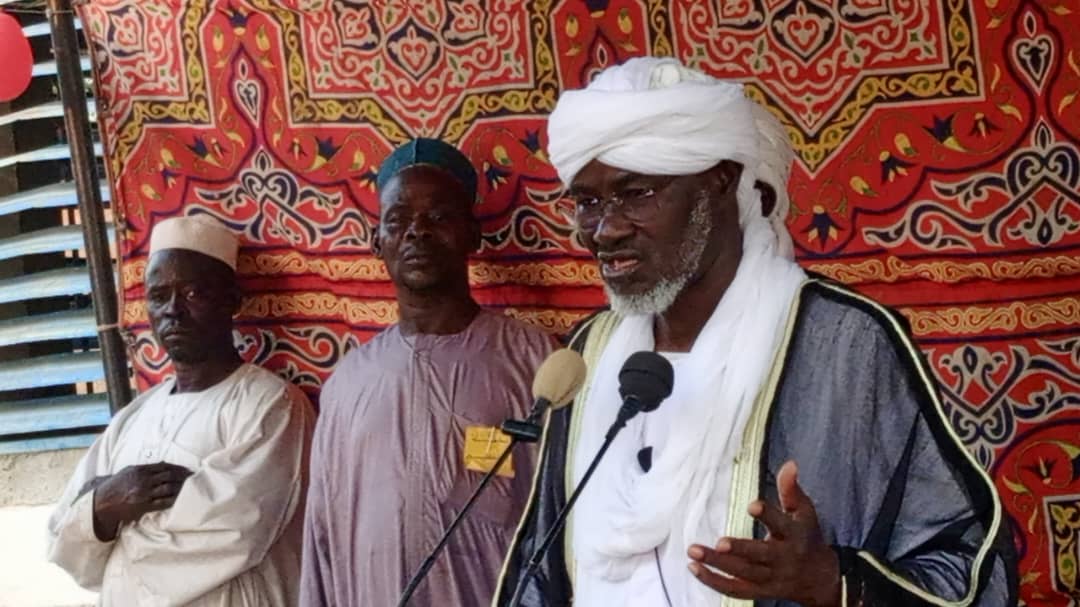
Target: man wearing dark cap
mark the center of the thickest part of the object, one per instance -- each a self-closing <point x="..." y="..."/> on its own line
<point x="409" y="420"/>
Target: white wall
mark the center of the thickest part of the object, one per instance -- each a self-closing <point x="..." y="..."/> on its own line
<point x="35" y="479"/>
<point x="30" y="483"/>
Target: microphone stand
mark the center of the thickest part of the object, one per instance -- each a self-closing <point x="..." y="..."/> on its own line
<point x="520" y="431"/>
<point x="630" y="408"/>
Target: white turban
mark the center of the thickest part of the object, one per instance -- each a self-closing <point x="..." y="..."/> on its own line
<point x="199" y="233"/>
<point x="654" y="116"/>
<point x="775" y="157"/>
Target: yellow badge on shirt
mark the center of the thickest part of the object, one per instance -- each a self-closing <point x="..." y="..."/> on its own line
<point x="483" y="446"/>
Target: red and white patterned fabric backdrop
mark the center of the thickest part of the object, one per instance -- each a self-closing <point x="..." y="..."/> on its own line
<point x="939" y="172"/>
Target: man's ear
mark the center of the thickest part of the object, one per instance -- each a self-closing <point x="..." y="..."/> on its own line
<point x="236" y="299"/>
<point x="376" y="242"/>
<point x="768" y="197"/>
<point x="475" y="236"/>
<point x="727" y="173"/>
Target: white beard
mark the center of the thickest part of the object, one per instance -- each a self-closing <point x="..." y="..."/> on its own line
<point x="653" y="301"/>
<point x="664" y="293"/>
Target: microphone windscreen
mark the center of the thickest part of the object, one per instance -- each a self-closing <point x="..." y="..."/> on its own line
<point x="648" y="377"/>
<point x="559" y="378"/>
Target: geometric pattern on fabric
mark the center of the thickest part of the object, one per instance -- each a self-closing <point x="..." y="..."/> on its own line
<point x="938" y="171"/>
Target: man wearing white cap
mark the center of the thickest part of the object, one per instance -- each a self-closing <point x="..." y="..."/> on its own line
<point x="803" y="456"/>
<point x="194" y="494"/>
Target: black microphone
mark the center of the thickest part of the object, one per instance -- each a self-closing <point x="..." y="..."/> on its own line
<point x="645" y="380"/>
<point x="556" y="383"/>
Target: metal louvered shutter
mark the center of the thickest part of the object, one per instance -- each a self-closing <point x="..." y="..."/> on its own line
<point x="53" y="392"/>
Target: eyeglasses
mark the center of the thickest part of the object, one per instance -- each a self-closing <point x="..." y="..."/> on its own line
<point x="637" y="204"/>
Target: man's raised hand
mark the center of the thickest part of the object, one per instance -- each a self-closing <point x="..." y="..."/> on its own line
<point x="793" y="562"/>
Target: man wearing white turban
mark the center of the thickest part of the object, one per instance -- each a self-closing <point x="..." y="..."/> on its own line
<point x="803" y="456"/>
<point x="194" y="494"/>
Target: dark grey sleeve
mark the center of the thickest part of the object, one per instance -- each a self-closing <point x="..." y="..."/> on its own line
<point x="940" y="535"/>
<point x="930" y="543"/>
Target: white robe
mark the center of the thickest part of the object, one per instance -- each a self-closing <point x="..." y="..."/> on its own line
<point x="233" y="536"/>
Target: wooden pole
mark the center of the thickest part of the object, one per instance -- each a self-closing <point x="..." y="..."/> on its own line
<point x="84" y="168"/>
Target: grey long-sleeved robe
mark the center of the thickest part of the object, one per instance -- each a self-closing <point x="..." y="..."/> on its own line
<point x="912" y="517"/>
<point x="387" y="472"/>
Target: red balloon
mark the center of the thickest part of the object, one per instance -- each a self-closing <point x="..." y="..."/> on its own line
<point x="18" y="60"/>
